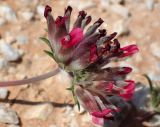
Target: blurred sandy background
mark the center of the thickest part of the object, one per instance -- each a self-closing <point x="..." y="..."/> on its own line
<point x="21" y="55"/>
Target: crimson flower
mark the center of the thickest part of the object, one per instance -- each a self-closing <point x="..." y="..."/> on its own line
<point x="83" y="55"/>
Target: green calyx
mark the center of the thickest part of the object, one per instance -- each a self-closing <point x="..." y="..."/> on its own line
<point x="50" y="52"/>
<point x="79" y="76"/>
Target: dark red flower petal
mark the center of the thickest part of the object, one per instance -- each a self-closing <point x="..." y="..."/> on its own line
<point x="67" y="14"/>
<point x="124" y="70"/>
<point x="102" y="113"/>
<point x="60" y="20"/>
<point x="89" y="18"/>
<point x="78" y="22"/>
<point x="129" y="50"/>
<point x="68" y="9"/>
<point x="76" y="35"/>
<point x="82" y="14"/>
<point x="93" y="54"/>
<point x="94" y="27"/>
<point x="48" y="9"/>
<point x="128" y="90"/>
<point x="86" y="21"/>
<point x="99" y="22"/>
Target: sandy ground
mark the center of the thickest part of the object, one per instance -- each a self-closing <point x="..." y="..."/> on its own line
<point x="144" y="28"/>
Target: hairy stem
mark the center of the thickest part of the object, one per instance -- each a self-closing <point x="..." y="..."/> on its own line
<point x="29" y="80"/>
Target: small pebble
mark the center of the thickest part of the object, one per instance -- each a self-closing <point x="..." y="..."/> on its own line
<point x="3" y="63"/>
<point x="82" y="4"/>
<point x="21" y="39"/>
<point x="8" y="13"/>
<point x="150" y="4"/>
<point x="2" y="21"/>
<point x="41" y="112"/>
<point x="7" y="115"/>
<point x="4" y="93"/>
<point x="105" y="3"/>
<point x="26" y="15"/>
<point x="40" y="10"/>
<point x="121" y="27"/>
<point x="8" y="51"/>
<point x="69" y="111"/>
<point x="121" y="10"/>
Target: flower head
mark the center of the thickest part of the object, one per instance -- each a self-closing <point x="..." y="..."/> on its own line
<point x="83" y="55"/>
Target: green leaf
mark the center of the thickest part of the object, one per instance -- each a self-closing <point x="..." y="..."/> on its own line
<point x="76" y="101"/>
<point x="155" y="97"/>
<point x="46" y="41"/>
<point x="78" y="105"/>
<point x="74" y="96"/>
<point x="155" y="93"/>
<point x="49" y="53"/>
<point x="70" y="88"/>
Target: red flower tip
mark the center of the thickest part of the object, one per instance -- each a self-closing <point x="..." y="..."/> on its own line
<point x="99" y="21"/>
<point x="82" y="14"/>
<point x="60" y="20"/>
<point x="89" y="18"/>
<point x="113" y="34"/>
<point x="47" y="10"/>
<point x="129" y="50"/>
<point x="102" y="113"/>
<point x="129" y="90"/>
<point x="116" y="43"/>
<point x="102" y="32"/>
<point x="125" y="70"/>
<point x="69" y="8"/>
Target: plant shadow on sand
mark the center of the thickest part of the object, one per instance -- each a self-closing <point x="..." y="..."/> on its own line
<point x="135" y="116"/>
<point x="126" y="118"/>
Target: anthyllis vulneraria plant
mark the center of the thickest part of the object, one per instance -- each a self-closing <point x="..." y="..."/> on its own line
<point x="83" y="55"/>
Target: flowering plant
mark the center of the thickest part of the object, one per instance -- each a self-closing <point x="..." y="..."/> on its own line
<point x="83" y="55"/>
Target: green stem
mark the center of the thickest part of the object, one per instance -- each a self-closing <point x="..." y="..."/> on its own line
<point x="72" y="90"/>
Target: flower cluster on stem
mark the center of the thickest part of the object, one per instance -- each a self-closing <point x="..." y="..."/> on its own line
<point x="83" y="54"/>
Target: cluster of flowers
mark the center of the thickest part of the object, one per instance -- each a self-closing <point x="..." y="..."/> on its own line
<point x="83" y="54"/>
